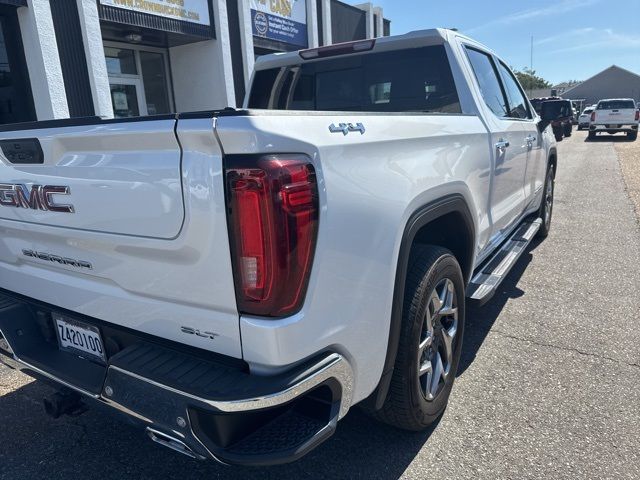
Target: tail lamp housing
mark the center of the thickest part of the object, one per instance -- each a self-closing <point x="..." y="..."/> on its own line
<point x="272" y="211"/>
<point x="637" y="115"/>
<point x="593" y="116"/>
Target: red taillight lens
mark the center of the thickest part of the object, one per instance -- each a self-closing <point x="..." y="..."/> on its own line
<point x="637" y="115"/>
<point x="273" y="224"/>
<point x="593" y="116"/>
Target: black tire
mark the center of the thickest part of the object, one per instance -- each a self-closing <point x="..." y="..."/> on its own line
<point x="592" y="135"/>
<point x="558" y="133"/>
<point x="547" y="203"/>
<point x="406" y="405"/>
<point x="632" y="136"/>
<point x="568" y="129"/>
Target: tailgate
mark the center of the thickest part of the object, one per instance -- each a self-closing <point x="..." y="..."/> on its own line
<point x="616" y="116"/>
<point x="121" y="178"/>
<point x="136" y="237"/>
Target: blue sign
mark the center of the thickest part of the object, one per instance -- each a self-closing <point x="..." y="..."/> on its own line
<point x="280" y="20"/>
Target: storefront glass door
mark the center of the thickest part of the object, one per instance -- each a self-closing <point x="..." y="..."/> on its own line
<point x="138" y="79"/>
<point x="126" y="97"/>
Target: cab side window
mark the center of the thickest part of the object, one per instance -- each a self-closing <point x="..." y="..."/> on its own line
<point x="488" y="81"/>
<point x="518" y="104"/>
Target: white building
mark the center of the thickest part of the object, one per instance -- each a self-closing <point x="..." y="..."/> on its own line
<point x="77" y="58"/>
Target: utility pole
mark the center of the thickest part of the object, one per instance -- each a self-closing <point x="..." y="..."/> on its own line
<point x="531" y="70"/>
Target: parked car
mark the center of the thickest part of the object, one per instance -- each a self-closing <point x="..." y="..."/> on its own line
<point x="614" y="116"/>
<point x="237" y="280"/>
<point x="585" y="118"/>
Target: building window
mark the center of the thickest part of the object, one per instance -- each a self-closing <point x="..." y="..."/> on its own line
<point x="138" y="80"/>
<point x="16" y="102"/>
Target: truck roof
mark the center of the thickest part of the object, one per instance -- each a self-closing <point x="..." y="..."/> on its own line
<point x="414" y="39"/>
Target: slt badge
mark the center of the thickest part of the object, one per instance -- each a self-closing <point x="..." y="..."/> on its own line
<point x="346" y="128"/>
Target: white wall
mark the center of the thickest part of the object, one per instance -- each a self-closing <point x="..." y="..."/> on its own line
<point x="368" y="7"/>
<point x="96" y="63"/>
<point x="380" y="24"/>
<point x="202" y="72"/>
<point x="246" y="35"/>
<point x="43" y="61"/>
<point x="327" y="34"/>
<point x="312" y="24"/>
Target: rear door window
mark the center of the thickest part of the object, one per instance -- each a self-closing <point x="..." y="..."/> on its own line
<point x="518" y="104"/>
<point x="415" y="80"/>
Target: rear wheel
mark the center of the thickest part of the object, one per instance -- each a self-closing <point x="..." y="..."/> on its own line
<point x="592" y="135"/>
<point x="632" y="135"/>
<point x="430" y="341"/>
<point x="546" y="209"/>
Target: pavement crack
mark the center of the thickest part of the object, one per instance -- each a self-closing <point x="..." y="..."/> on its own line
<point x="566" y="349"/>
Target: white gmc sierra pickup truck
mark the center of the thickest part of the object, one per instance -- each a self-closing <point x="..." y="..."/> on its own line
<point x="615" y="115"/>
<point x="237" y="280"/>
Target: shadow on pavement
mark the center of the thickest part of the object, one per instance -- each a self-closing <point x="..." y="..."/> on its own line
<point x="103" y="444"/>
<point x="610" y="138"/>
<point x="480" y="320"/>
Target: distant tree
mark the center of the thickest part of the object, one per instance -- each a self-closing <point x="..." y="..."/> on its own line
<point x="570" y="83"/>
<point x="530" y="80"/>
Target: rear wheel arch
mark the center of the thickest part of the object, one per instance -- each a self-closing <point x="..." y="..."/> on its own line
<point x="452" y="214"/>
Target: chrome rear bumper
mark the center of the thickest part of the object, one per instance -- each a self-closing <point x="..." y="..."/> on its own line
<point x="194" y="406"/>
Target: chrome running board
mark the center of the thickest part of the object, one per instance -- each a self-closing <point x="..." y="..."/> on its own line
<point x="486" y="281"/>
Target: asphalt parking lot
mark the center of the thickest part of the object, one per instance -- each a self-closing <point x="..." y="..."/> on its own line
<point x="549" y="384"/>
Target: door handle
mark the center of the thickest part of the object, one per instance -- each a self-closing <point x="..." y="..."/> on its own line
<point x="502" y="145"/>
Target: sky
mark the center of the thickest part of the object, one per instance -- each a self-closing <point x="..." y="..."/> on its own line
<point x="572" y="39"/>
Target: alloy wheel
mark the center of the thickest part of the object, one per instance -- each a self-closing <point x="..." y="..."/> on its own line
<point x="438" y="338"/>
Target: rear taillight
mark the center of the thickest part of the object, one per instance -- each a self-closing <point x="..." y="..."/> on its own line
<point x="637" y="115"/>
<point x="273" y="224"/>
<point x="593" y="116"/>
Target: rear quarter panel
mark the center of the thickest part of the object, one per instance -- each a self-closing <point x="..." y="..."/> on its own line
<point x="370" y="184"/>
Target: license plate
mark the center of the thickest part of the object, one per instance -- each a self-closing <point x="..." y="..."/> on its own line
<point x="79" y="338"/>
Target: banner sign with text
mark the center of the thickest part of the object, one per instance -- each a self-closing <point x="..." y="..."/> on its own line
<point x="193" y="11"/>
<point x="280" y="20"/>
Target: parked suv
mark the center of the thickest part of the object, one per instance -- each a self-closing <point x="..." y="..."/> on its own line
<point x="563" y="125"/>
